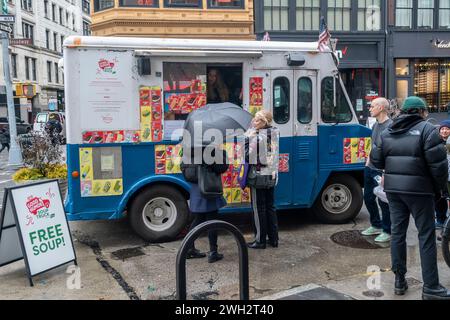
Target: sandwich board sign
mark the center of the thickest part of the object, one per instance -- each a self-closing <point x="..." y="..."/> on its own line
<point x="34" y="227"/>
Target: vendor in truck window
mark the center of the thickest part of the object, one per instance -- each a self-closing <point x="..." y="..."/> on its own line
<point x="217" y="90"/>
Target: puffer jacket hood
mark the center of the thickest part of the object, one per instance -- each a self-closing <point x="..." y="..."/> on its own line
<point x="404" y="122"/>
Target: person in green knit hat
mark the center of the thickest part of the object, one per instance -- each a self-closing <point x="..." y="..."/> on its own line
<point x="414" y="159"/>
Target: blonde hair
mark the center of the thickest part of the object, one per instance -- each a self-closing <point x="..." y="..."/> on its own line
<point x="265" y="116"/>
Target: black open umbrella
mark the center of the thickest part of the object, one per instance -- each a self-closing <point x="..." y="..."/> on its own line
<point x="220" y="116"/>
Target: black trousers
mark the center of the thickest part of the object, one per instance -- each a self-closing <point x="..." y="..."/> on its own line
<point x="264" y="215"/>
<point x="422" y="210"/>
<point x="199" y="218"/>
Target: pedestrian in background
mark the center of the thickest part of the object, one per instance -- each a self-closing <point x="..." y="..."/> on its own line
<point x="441" y="200"/>
<point x="262" y="148"/>
<point x="4" y="139"/>
<point x="416" y="169"/>
<point x="382" y="227"/>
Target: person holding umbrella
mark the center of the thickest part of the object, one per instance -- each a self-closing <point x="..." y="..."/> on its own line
<point x="203" y="156"/>
<point x="262" y="154"/>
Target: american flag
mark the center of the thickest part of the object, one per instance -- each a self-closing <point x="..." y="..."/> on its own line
<point x="266" y="37"/>
<point x="324" y="36"/>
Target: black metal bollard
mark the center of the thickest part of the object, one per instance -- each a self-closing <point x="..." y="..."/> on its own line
<point x="189" y="241"/>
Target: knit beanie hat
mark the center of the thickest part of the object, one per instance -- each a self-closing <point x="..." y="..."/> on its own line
<point x="445" y="123"/>
<point x="413" y="103"/>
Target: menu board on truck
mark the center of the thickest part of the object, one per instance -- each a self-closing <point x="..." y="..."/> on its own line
<point x="108" y="92"/>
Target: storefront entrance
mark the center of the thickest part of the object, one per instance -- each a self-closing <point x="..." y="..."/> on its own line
<point x="363" y="86"/>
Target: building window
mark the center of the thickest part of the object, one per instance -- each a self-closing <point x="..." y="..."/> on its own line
<point x="33" y="75"/>
<point x="47" y="39"/>
<point x="444" y="14"/>
<point x="403" y="13"/>
<point x="369" y="15"/>
<point x="339" y="15"/>
<point x="56" y="73"/>
<point x="276" y="14"/>
<point x="86" y="28"/>
<point x="74" y="28"/>
<point x="138" y="3"/>
<point x="62" y="42"/>
<point x="28" y="31"/>
<point x="432" y="83"/>
<point x="33" y="69"/>
<point x="402" y="67"/>
<point x="229" y="4"/>
<point x="425" y="12"/>
<point x="27" y="68"/>
<point x="304" y="101"/>
<point x="308" y="14"/>
<point x="49" y="71"/>
<point x="281" y="100"/>
<point x="55" y="41"/>
<point x="46" y="8"/>
<point x="61" y="17"/>
<point x="27" y="5"/>
<point x="14" y="65"/>
<point x="67" y="19"/>
<point x="53" y="12"/>
<point x="183" y="3"/>
<point x="103" y="4"/>
<point x="86" y="7"/>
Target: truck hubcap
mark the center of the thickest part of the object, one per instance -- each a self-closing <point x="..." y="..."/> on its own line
<point x="159" y="214"/>
<point x="337" y="198"/>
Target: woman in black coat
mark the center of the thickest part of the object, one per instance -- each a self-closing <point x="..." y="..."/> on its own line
<point x="205" y="208"/>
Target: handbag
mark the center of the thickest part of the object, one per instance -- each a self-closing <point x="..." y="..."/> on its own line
<point x="259" y="181"/>
<point x="209" y="182"/>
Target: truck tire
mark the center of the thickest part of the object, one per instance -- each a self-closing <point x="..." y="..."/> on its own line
<point x="159" y="213"/>
<point x="340" y="200"/>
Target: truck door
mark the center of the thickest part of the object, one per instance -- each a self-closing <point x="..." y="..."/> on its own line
<point x="305" y="141"/>
<point x="282" y="102"/>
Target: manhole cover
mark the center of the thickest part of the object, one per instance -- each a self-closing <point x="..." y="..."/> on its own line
<point x="354" y="239"/>
<point x="127" y="253"/>
<point x="373" y="294"/>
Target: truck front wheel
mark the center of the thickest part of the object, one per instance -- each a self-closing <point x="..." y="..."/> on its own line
<point x="339" y="201"/>
<point x="159" y="213"/>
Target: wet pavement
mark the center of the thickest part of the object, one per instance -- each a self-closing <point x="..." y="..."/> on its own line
<point x="313" y="261"/>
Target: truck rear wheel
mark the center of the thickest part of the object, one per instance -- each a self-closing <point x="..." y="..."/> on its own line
<point x="339" y="201"/>
<point x="159" y="213"/>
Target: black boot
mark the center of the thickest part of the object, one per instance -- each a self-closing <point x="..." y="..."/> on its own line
<point x="273" y="243"/>
<point x="214" y="256"/>
<point x="401" y="285"/>
<point x="438" y="292"/>
<point x="195" y="254"/>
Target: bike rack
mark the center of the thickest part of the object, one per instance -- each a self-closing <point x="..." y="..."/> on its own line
<point x="189" y="241"/>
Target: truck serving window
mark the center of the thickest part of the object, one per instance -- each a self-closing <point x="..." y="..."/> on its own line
<point x="281" y="96"/>
<point x="304" y="101"/>
<point x="330" y="114"/>
<point x="184" y="89"/>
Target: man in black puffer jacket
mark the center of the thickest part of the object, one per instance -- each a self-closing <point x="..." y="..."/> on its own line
<point x="415" y="164"/>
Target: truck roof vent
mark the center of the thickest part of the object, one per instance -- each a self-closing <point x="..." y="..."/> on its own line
<point x="295" y="59"/>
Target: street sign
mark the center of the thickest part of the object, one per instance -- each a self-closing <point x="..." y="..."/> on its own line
<point x="8" y="18"/>
<point x="5" y="28"/>
<point x="20" y="42"/>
